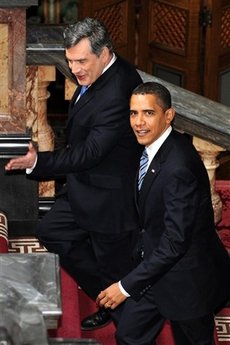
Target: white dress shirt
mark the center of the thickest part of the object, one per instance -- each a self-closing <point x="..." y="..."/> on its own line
<point x="151" y="150"/>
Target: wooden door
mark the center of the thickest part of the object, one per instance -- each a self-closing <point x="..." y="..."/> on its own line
<point x="119" y="17"/>
<point x="217" y="52"/>
<point x="187" y="43"/>
<point x="169" y="41"/>
<point x="182" y="41"/>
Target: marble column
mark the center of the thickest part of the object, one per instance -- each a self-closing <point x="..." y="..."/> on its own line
<point x="51" y="11"/>
<point x="12" y="70"/>
<point x="21" y="213"/>
<point x="70" y="88"/>
<point x="209" y="153"/>
<point x="38" y="79"/>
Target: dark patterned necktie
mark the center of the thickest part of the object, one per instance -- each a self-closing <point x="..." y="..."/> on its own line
<point x="143" y="168"/>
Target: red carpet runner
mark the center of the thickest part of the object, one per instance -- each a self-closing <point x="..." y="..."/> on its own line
<point x="76" y="305"/>
<point x="105" y="335"/>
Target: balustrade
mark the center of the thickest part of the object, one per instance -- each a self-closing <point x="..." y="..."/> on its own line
<point x="38" y="79"/>
<point x="209" y="153"/>
<point x="206" y="121"/>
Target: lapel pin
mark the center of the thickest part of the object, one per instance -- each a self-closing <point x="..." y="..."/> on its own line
<point x="153" y="171"/>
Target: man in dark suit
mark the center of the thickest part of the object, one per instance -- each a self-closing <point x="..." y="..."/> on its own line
<point x="93" y="223"/>
<point x="184" y="273"/>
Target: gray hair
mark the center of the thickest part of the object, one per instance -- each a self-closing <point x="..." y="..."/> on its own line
<point x="92" y="29"/>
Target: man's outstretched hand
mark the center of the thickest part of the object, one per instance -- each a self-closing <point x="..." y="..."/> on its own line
<point x="111" y="297"/>
<point x="24" y="162"/>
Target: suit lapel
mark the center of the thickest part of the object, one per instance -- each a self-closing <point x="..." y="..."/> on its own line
<point x="101" y="82"/>
<point x="155" y="169"/>
<point x="75" y="95"/>
<point x="76" y="106"/>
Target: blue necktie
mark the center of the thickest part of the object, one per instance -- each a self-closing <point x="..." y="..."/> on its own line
<point x="143" y="168"/>
<point x="83" y="90"/>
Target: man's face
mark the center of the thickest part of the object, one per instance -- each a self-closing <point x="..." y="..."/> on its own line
<point x="148" y="120"/>
<point x="85" y="65"/>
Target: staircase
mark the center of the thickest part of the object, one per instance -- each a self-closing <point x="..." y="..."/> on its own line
<point x="206" y="121"/>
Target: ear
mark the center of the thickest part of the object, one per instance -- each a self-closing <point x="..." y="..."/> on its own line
<point x="105" y="53"/>
<point x="170" y="114"/>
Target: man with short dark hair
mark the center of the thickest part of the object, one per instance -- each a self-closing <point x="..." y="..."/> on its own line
<point x="184" y="272"/>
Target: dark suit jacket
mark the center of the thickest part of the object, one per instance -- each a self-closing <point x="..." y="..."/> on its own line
<point x="185" y="266"/>
<point x="101" y="155"/>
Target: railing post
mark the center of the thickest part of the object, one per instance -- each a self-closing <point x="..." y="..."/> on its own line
<point x="209" y="153"/>
<point x="38" y="79"/>
<point x="70" y="88"/>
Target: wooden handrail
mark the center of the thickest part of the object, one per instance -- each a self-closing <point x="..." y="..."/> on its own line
<point x="196" y="115"/>
<point x="208" y="122"/>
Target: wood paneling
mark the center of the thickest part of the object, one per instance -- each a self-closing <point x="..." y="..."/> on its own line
<point x="119" y="18"/>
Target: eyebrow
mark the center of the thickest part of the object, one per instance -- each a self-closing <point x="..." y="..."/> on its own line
<point x="150" y="109"/>
<point x="83" y="59"/>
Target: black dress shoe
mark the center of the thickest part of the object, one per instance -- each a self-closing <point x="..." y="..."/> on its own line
<point x="97" y="320"/>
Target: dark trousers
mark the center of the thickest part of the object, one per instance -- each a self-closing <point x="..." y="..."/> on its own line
<point x="95" y="260"/>
<point x="141" y="323"/>
<point x="198" y="331"/>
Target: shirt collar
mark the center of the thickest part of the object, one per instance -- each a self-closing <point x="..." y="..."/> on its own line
<point x="155" y="146"/>
<point x="110" y="63"/>
<point x="105" y="69"/>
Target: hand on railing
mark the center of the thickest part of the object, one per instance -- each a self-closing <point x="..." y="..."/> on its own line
<point x="23" y="162"/>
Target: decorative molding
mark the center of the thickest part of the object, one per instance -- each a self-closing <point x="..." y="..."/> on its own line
<point x="174" y="23"/>
<point x="25" y="245"/>
<point x="222" y="323"/>
<point x="225" y="28"/>
<point x="115" y="18"/>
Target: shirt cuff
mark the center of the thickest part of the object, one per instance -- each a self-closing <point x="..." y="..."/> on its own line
<point x="29" y="170"/>
<point x="123" y="290"/>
